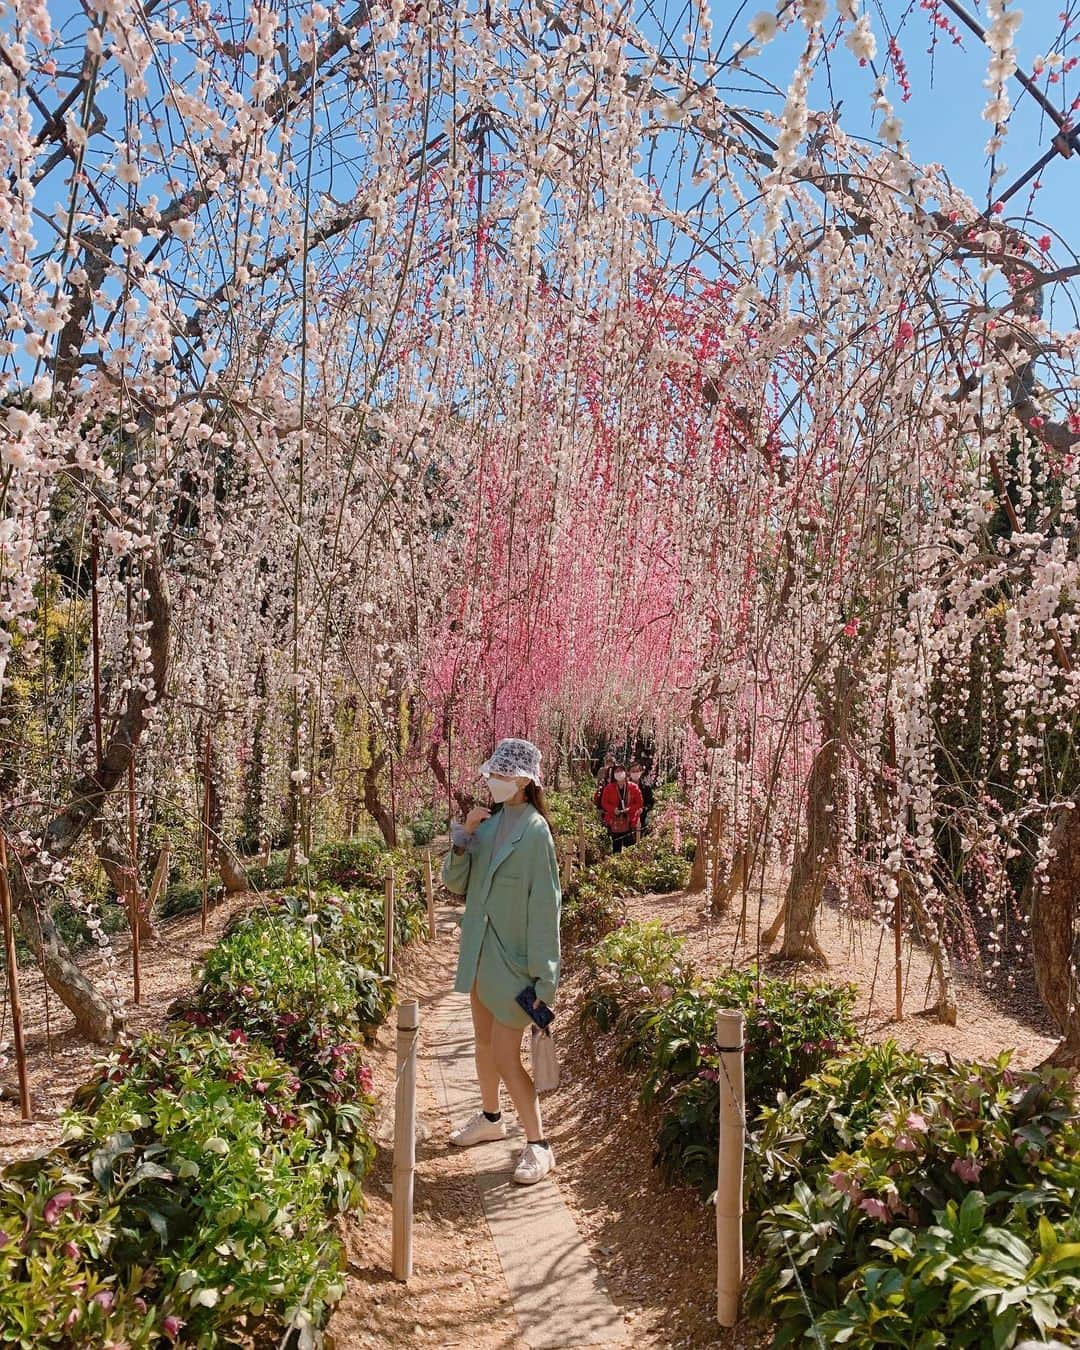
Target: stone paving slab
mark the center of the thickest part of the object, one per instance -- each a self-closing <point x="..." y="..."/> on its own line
<point x="559" y="1299"/>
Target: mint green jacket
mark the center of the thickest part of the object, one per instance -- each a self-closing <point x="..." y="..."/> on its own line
<point x="515" y="893"/>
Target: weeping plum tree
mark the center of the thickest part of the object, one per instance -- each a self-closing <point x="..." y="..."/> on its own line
<point x="495" y="363"/>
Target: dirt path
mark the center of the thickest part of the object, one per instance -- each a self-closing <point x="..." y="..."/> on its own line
<point x="653" y="1245"/>
<point x="457" y="1295"/>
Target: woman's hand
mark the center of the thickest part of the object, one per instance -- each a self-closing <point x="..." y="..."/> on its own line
<point x="475" y="818"/>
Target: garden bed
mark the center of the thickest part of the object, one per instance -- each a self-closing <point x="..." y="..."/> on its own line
<point x="658" y="1238"/>
<point x="189" y="1195"/>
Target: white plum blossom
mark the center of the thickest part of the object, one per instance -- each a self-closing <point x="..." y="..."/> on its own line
<point x="763" y="26"/>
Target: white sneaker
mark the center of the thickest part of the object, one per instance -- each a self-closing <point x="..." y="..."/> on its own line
<point x="535" y="1163"/>
<point x="478" y="1131"/>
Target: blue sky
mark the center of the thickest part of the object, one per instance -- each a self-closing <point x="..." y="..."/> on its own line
<point x="943" y="119"/>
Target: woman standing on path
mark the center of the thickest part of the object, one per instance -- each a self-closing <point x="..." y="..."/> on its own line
<point x="506" y="867"/>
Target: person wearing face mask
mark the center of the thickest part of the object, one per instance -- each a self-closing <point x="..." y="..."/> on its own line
<point x="621" y="804"/>
<point x="644" y="782"/>
<point x="506" y="867"/>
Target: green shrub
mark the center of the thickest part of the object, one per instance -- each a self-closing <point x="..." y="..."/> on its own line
<point x="569" y="810"/>
<point x="59" y="1284"/>
<point x="641" y="989"/>
<point x="353" y="863"/>
<point x="651" y="867"/>
<point x="313" y="1009"/>
<point x="271" y="876"/>
<point x="964" y="1282"/>
<point x="590" y="909"/>
<point x="880" y="1152"/>
<point x="635" y="966"/>
<point x="190" y="1198"/>
<point x="219" y="1176"/>
<point x="425" y="825"/>
<point x="790" y="1031"/>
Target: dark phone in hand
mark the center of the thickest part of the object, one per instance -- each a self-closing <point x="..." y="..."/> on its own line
<point x="540" y="1013"/>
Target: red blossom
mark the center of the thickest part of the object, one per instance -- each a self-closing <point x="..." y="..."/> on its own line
<point x="55" y="1206"/>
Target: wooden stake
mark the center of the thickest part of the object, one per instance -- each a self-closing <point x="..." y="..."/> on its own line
<point x="729" y="1180"/>
<point x="388" y="926"/>
<point x="133" y="890"/>
<point x="429" y="890"/>
<point x="408" y="1033"/>
<point x="567" y="873"/>
<point x="581" y="841"/>
<point x="13" y="985"/>
<point x="898" y="921"/>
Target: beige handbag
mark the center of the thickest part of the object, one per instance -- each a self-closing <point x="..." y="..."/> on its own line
<point x="544" y="1060"/>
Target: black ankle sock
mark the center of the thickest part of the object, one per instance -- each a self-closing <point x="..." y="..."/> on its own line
<point x="541" y="1143"/>
<point x="493" y="1116"/>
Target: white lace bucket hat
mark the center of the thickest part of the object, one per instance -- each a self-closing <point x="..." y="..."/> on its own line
<point x="516" y="759"/>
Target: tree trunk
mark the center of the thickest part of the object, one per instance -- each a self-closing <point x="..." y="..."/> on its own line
<point x="374" y="804"/>
<point x="1055" y="934"/>
<point x="803" y="895"/>
<point x="222" y="859"/>
<point x="233" y="876"/>
<point x="930" y="935"/>
<point x="118" y="871"/>
<point x="716" y="856"/>
<point x="94" y="1017"/>
<point x="696" y="884"/>
<point x="726" y="889"/>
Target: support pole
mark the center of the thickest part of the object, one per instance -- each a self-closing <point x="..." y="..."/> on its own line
<point x="729" y="1180"/>
<point x="567" y="874"/>
<point x="133" y="889"/>
<point x="408" y="1033"/>
<point x="898" y="929"/>
<point x="581" y="840"/>
<point x="13" y="985"/>
<point x="206" y="826"/>
<point x="429" y="891"/>
<point x="388" y="926"/>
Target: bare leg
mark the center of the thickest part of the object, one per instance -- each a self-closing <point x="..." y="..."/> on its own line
<point x="487" y="1075"/>
<point x="506" y="1049"/>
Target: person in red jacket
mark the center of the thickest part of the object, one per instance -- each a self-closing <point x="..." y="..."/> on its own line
<point x="621" y="804"/>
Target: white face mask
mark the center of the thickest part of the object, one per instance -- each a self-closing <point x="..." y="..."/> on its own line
<point x="620" y="778"/>
<point x="502" y="789"/>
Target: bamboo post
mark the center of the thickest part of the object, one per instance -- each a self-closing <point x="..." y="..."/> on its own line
<point x="898" y="919"/>
<point x="729" y="1180"/>
<point x="13" y="986"/>
<point x="133" y="892"/>
<point x="581" y="840"/>
<point x="408" y="1024"/>
<point x="388" y="926"/>
<point x="429" y="891"/>
<point x="567" y="873"/>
